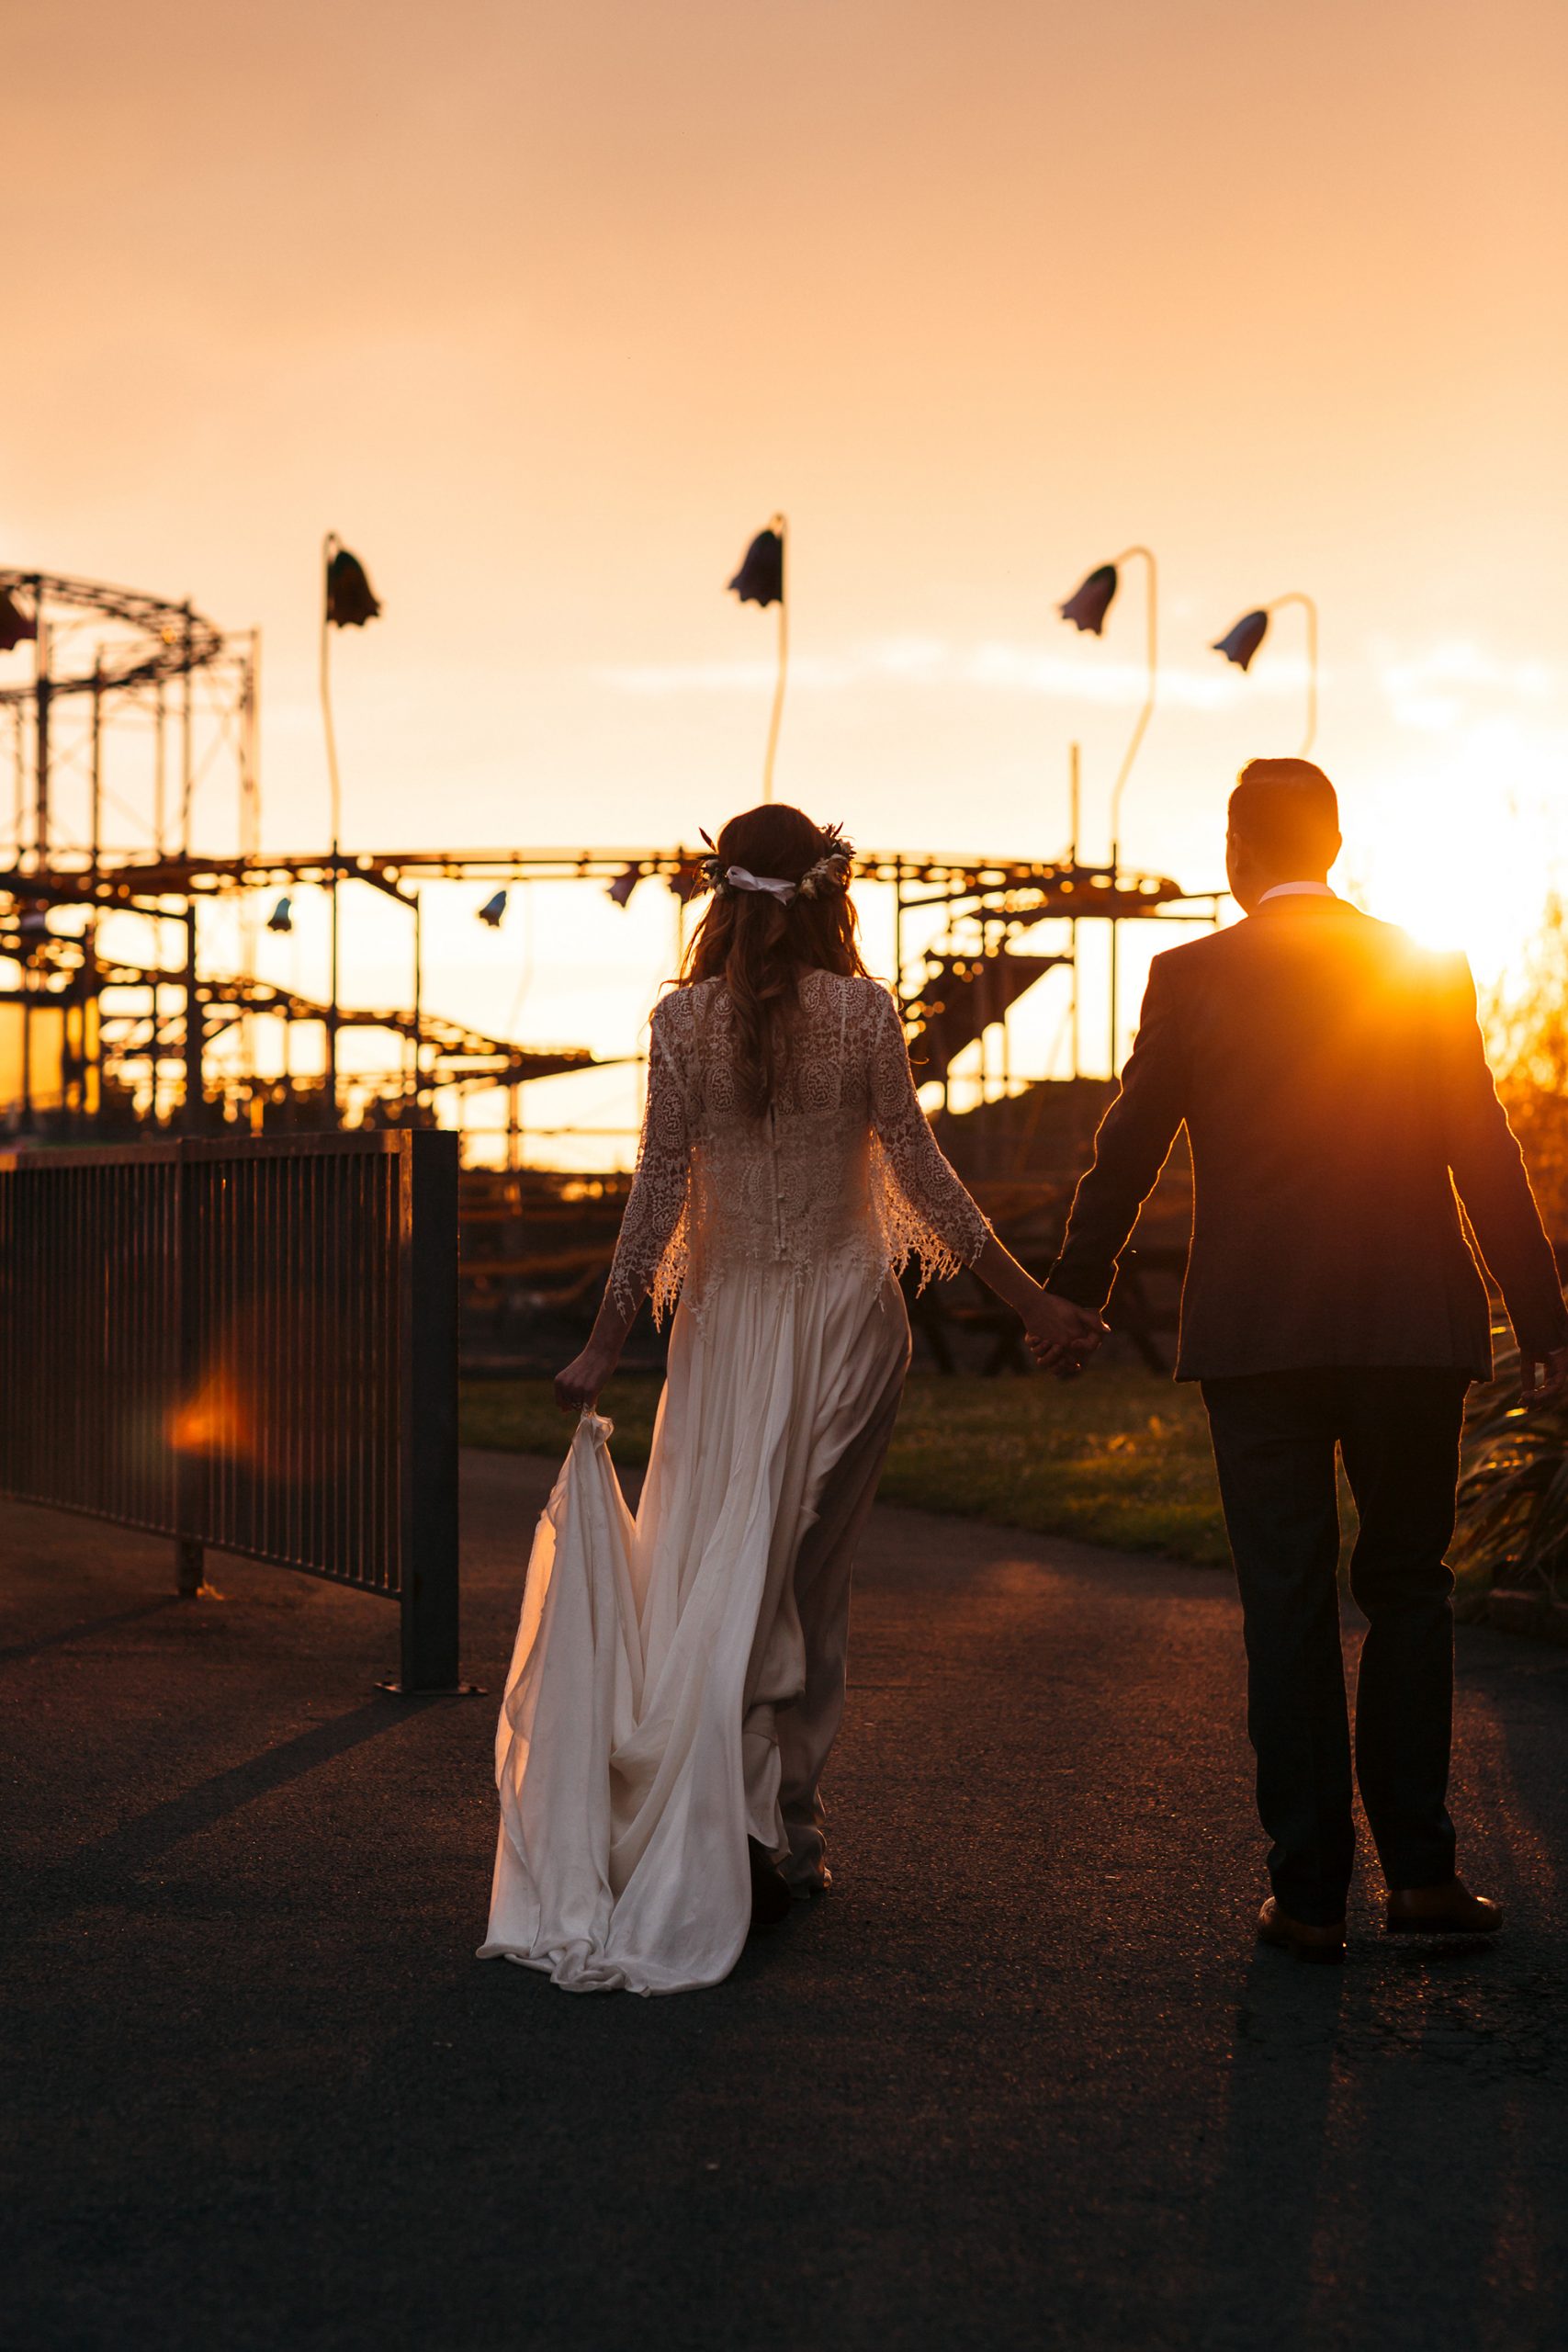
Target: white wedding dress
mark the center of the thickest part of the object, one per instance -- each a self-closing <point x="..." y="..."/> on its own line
<point x="679" y="1678"/>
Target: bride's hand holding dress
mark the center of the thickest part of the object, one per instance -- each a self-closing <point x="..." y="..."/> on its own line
<point x="579" y="1386"/>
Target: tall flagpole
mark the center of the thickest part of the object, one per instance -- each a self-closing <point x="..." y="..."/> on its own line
<point x="1147" y="712"/>
<point x="1242" y="642"/>
<point x="329" y="547"/>
<point x="779" y="524"/>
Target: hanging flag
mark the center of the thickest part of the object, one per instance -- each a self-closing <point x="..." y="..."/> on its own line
<point x="1240" y="643"/>
<point x="351" y="600"/>
<point x="1087" y="605"/>
<point x="760" y="579"/>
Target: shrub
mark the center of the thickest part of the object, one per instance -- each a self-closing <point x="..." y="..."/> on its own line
<point x="1513" y="1495"/>
<point x="1527" y="1032"/>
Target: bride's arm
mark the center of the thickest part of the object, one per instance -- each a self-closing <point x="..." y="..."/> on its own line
<point x="652" y="1214"/>
<point x="1054" y="1339"/>
<point x="1058" y="1330"/>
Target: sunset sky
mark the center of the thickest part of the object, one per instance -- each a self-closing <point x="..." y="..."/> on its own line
<point x="546" y="307"/>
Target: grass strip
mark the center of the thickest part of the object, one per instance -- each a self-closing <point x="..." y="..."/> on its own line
<point x="1120" y="1458"/>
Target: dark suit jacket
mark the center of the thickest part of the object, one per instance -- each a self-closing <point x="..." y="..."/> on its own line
<point x="1334" y="1091"/>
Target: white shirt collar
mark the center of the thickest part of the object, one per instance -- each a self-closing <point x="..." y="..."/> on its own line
<point x="1296" y="890"/>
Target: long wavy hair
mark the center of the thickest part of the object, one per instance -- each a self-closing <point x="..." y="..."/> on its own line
<point x="760" y="947"/>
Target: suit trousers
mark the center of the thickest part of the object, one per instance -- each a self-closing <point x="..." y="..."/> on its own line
<point x="1275" y="1438"/>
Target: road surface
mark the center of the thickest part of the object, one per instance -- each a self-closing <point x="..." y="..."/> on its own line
<point x="1024" y="2080"/>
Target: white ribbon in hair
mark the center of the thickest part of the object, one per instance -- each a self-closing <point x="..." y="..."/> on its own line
<point x="739" y="878"/>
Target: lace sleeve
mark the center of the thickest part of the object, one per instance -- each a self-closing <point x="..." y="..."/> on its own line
<point x="928" y="1211"/>
<point x="651" y="1252"/>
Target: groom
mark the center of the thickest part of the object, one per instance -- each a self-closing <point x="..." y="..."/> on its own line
<point x="1334" y="1087"/>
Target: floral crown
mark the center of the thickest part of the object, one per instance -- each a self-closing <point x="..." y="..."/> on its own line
<point x="831" y="872"/>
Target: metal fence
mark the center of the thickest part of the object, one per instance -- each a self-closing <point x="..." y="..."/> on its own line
<point x="247" y="1345"/>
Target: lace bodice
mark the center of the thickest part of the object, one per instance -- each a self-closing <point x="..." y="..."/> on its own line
<point x="842" y="1166"/>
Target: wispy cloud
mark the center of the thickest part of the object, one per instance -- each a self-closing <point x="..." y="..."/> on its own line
<point x="994" y="666"/>
<point x="1432" y="690"/>
<point x="1441" y="687"/>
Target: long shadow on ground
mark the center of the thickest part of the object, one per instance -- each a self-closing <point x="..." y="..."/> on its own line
<point x="1022" y="2080"/>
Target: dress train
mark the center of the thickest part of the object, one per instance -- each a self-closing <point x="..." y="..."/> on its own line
<point x="678" y="1677"/>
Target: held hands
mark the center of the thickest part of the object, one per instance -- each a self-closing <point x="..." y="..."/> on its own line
<point x="1543" y="1380"/>
<point x="1061" y="1337"/>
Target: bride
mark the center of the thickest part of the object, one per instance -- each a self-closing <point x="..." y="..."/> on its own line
<point x="679" y="1678"/>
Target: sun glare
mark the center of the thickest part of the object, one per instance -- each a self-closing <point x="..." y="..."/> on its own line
<point x="1470" y="868"/>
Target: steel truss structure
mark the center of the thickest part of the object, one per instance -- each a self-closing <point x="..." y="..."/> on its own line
<point x="134" y="709"/>
<point x="138" y="713"/>
<point x="950" y="993"/>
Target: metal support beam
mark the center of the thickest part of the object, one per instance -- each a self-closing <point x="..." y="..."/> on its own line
<point x="195" y="1020"/>
<point x="427" y="1500"/>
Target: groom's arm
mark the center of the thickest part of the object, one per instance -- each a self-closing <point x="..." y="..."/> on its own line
<point x="1488" y="1171"/>
<point x="1130" y="1149"/>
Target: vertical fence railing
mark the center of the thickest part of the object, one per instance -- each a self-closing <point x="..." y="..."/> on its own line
<point x="249" y="1346"/>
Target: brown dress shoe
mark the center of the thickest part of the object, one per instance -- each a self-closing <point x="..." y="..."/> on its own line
<point x="1448" y="1910"/>
<point x="1324" y="1945"/>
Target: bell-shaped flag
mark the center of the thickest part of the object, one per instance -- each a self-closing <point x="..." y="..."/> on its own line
<point x="492" y="910"/>
<point x="760" y="580"/>
<point x="1087" y="605"/>
<point x="1240" y="643"/>
<point x="282" y="916"/>
<point x="16" y="627"/>
<point x="351" y="600"/>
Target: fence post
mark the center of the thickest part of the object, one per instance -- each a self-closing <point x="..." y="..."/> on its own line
<point x="427" y="1501"/>
<point x="190" y="1467"/>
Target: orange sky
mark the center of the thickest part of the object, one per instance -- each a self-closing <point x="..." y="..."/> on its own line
<point x="545" y="308"/>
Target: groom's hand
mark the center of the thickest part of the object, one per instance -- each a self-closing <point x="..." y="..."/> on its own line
<point x="1062" y="1336"/>
<point x="1543" y="1380"/>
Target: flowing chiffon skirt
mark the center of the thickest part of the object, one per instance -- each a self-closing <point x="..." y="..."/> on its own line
<point x="678" y="1677"/>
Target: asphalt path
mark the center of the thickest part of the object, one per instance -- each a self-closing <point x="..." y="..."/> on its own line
<point x="1024" y="2079"/>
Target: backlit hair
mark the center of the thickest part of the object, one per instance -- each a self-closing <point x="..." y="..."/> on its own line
<point x="1287" y="812"/>
<point x="760" y="947"/>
